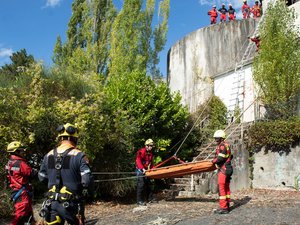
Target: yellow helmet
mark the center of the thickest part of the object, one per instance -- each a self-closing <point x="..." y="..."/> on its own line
<point x="14" y="146"/>
<point x="67" y="130"/>
<point x="220" y="134"/>
<point x="149" y="142"/>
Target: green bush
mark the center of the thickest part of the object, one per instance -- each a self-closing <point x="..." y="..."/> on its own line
<point x="276" y="135"/>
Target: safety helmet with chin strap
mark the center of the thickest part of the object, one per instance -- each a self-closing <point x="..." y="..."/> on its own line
<point x="14" y="146"/>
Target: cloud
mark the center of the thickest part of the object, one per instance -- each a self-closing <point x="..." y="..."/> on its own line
<point x="4" y="55"/>
<point x="5" y="52"/>
<point x="52" y="3"/>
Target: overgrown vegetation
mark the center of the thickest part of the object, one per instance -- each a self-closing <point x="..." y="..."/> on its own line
<point x="275" y="135"/>
<point x="277" y="74"/>
<point x="277" y="66"/>
<point x="101" y="80"/>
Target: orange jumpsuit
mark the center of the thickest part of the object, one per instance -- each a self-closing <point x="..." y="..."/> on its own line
<point x="213" y="16"/>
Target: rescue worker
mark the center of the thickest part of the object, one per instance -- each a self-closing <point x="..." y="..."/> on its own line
<point x="67" y="172"/>
<point x="256" y="40"/>
<point x="19" y="174"/>
<point x="213" y="15"/>
<point x="231" y="13"/>
<point x="144" y="161"/>
<point x="246" y="10"/>
<point x="256" y="10"/>
<point x="223" y="12"/>
<point x="222" y="162"/>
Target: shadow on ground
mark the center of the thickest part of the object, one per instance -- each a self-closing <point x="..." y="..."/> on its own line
<point x="240" y="202"/>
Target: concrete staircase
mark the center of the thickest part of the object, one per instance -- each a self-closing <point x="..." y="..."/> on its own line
<point x="203" y="183"/>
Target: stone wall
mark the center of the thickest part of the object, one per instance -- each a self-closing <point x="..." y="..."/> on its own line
<point x="276" y="169"/>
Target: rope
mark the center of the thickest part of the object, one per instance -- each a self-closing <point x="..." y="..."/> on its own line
<point x="118" y="179"/>
<point x="225" y="130"/>
<point x="106" y="173"/>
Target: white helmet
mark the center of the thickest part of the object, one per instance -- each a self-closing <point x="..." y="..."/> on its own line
<point x="220" y="134"/>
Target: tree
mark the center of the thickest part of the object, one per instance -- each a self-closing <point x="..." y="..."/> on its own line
<point x="88" y="38"/>
<point x="277" y="66"/>
<point x="19" y="61"/>
<point x="133" y="37"/>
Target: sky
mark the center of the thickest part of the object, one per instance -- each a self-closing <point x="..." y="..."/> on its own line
<point x="35" y="25"/>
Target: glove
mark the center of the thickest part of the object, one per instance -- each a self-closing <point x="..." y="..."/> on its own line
<point x="85" y="192"/>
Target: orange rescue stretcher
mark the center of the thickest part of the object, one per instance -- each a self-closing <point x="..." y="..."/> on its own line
<point x="179" y="170"/>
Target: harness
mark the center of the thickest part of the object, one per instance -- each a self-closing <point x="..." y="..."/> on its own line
<point x="18" y="193"/>
<point x="58" y="192"/>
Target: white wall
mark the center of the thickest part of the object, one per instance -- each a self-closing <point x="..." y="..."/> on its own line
<point x="226" y="86"/>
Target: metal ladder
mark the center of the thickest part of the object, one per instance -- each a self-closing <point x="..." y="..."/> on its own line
<point x="237" y="95"/>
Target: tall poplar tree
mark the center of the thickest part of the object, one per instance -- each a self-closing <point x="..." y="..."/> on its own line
<point x="88" y="37"/>
<point x="134" y="43"/>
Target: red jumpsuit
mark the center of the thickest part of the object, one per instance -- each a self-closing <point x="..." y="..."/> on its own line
<point x="18" y="174"/>
<point x="257" y="42"/>
<point x="144" y="160"/>
<point x="246" y="11"/>
<point x="213" y="16"/>
<point x="256" y="11"/>
<point x="222" y="161"/>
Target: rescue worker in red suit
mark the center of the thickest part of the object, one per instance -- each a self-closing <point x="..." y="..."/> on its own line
<point x="231" y="13"/>
<point x="19" y="174"/>
<point x="222" y="161"/>
<point x="143" y="162"/>
<point x="67" y="173"/>
<point x="246" y="10"/>
<point x="223" y="13"/>
<point x="256" y="40"/>
<point x="213" y="15"/>
<point x="256" y="10"/>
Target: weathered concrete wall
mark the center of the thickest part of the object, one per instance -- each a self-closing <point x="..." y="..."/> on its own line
<point x="203" y="54"/>
<point x="274" y="170"/>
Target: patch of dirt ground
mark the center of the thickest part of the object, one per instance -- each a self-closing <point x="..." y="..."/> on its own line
<point x="259" y="207"/>
<point x="255" y="207"/>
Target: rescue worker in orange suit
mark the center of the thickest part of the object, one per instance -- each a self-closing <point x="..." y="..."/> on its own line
<point x="256" y="40"/>
<point x="222" y="161"/>
<point x="231" y="13"/>
<point x="246" y="10"/>
<point x="143" y="162"/>
<point x="67" y="173"/>
<point x="256" y="10"/>
<point x="213" y="15"/>
<point x="19" y="174"/>
<point x="223" y="13"/>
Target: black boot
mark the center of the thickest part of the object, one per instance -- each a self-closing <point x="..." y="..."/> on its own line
<point x="221" y="211"/>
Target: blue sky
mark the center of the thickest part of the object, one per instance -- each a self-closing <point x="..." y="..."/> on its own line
<point x="35" y="25"/>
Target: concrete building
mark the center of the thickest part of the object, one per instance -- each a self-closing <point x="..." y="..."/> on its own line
<point x="209" y="59"/>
